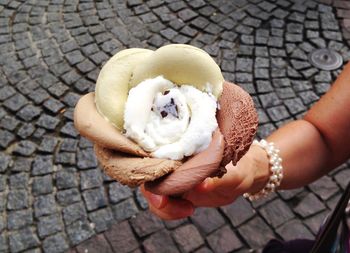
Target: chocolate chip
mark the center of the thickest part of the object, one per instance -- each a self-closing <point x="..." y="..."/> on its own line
<point x="172" y="101"/>
<point x="166" y="92"/>
<point x="164" y="114"/>
<point x="177" y="109"/>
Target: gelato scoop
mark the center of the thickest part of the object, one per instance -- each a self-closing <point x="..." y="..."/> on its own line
<point x="166" y="118"/>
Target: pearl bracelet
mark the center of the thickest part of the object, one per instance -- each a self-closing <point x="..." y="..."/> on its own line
<point x="275" y="162"/>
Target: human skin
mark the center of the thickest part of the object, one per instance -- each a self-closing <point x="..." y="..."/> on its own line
<point x="310" y="148"/>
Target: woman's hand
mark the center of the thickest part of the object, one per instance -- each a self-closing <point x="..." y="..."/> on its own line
<point x="250" y="175"/>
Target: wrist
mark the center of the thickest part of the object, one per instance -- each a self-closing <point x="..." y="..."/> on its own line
<point x="260" y="167"/>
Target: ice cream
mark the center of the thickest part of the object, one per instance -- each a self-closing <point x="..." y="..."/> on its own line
<point x="154" y="117"/>
<point x="169" y="121"/>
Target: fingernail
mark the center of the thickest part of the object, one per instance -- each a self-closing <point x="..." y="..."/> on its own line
<point x="156" y="200"/>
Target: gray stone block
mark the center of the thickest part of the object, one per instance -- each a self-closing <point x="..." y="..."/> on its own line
<point x="79" y="231"/>
<point x="19" y="219"/>
<point x="23" y="239"/>
<point x="48" y="225"/>
<point x="95" y="198"/>
<point x="17" y="199"/>
<point x="44" y="205"/>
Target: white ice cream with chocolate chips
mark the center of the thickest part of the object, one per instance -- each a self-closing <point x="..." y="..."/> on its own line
<point x="169" y="121"/>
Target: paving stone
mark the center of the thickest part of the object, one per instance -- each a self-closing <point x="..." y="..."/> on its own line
<point x="2" y="201"/>
<point x="96" y="244"/>
<point x="332" y="202"/>
<point x="102" y="219"/>
<point x="121" y="237"/>
<point x="160" y="242"/>
<point x="6" y="92"/>
<point x="86" y="158"/>
<point x="66" y="179"/>
<point x="2" y="223"/>
<point x="146" y="223"/>
<point x="42" y="185"/>
<point x="25" y="130"/>
<point x="3" y="182"/>
<point x="74" y="212"/>
<point x="6" y="138"/>
<point x="256" y="232"/>
<point x="90" y="179"/>
<point x="65" y="158"/>
<point x="79" y="231"/>
<point x="278" y="113"/>
<point x="24" y="148"/>
<point x="59" y="89"/>
<point x="23" y="239"/>
<point x="29" y="112"/>
<point x="168" y="33"/>
<point x="48" y="122"/>
<point x="17" y="199"/>
<point x="314" y="223"/>
<point x="69" y="144"/>
<point x="188" y="238"/>
<point x="239" y="211"/>
<point x="295" y="105"/>
<point x="285" y="93"/>
<point x="38" y="96"/>
<point x="44" y="205"/>
<point x="66" y="197"/>
<point x="224" y="240"/>
<point x="269" y="99"/>
<point x="325" y="187"/>
<point x="118" y="192"/>
<point x="69" y="129"/>
<point x="125" y="209"/>
<point x="94" y="198"/>
<point x="20" y="164"/>
<point x="19" y="181"/>
<point x="53" y="105"/>
<point x="171" y="224"/>
<point x="294" y="229"/>
<point x="55" y="243"/>
<point x="309" y="205"/>
<point x="9" y="123"/>
<point x="204" y="250"/>
<point x="15" y="102"/>
<point x="276" y="213"/>
<point x="308" y="97"/>
<point x="42" y="165"/>
<point x="19" y="219"/>
<point x="207" y="219"/>
<point x="341" y="178"/>
<point x="3" y="242"/>
<point x="49" y="225"/>
<point x="322" y="88"/>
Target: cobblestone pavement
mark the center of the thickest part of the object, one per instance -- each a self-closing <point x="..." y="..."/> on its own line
<point x="53" y="196"/>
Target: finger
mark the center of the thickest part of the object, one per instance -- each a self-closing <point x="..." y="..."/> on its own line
<point x="174" y="209"/>
<point x="214" y="192"/>
<point x="158" y="201"/>
<point x="225" y="184"/>
<point x="168" y="208"/>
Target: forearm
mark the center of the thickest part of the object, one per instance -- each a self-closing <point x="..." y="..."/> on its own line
<point x="318" y="143"/>
<point x="306" y="155"/>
